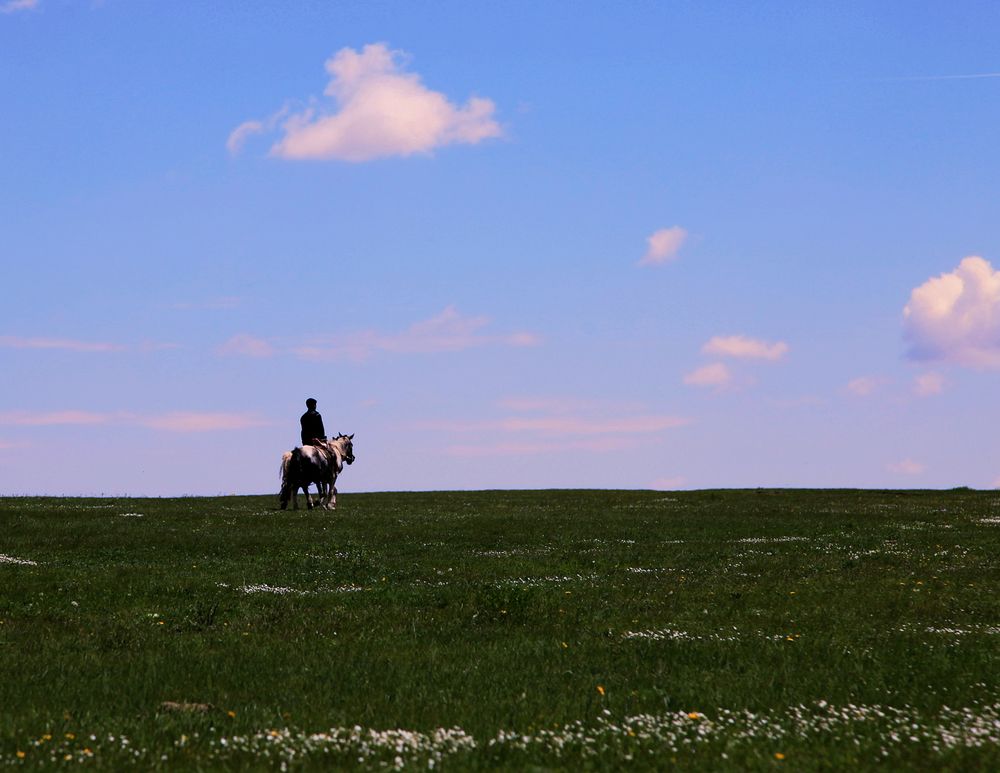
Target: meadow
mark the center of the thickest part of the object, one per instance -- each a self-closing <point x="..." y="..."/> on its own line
<point x="545" y="630"/>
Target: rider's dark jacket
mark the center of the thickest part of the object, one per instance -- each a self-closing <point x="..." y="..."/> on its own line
<point x="312" y="427"/>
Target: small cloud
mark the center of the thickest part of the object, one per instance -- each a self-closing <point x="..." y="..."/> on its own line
<point x="239" y="135"/>
<point x="663" y="245"/>
<point x="449" y="331"/>
<point x="536" y="448"/>
<point x="378" y="109"/>
<point x="13" y="6"/>
<point x="743" y="347"/>
<point x="717" y="375"/>
<point x="906" y="467"/>
<point x="864" y="385"/>
<point x="668" y="484"/>
<point x="928" y="384"/>
<point x="16" y="342"/>
<point x="563" y="425"/>
<point x="564" y="405"/>
<point x="955" y="317"/>
<point x="189" y="421"/>
<point x="247" y="346"/>
<point x="53" y="418"/>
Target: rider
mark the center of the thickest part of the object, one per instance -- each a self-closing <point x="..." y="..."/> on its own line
<point x="312" y="424"/>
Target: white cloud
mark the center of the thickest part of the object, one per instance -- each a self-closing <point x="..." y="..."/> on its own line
<point x="955" y="317"/>
<point x="864" y="385"/>
<point x="927" y="384"/>
<point x="553" y="433"/>
<point x="247" y="346"/>
<point x="378" y="109"/>
<point x="191" y="421"/>
<point x="239" y="135"/>
<point x="536" y="448"/>
<point x="16" y="342"/>
<point x="906" y="467"/>
<point x="745" y="348"/>
<point x="564" y="425"/>
<point x="52" y="418"/>
<point x="449" y="331"/>
<point x="663" y="245"/>
<point x="716" y="374"/>
<point x="177" y="421"/>
<point x="668" y="484"/>
<point x="13" y="6"/>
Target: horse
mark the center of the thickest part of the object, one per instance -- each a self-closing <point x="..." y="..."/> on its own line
<point x="319" y="463"/>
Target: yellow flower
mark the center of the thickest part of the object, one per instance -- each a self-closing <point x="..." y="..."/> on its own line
<point x="20" y="755"/>
<point x="67" y="757"/>
<point x="779" y="756"/>
<point x="693" y="715"/>
<point x="231" y="713"/>
<point x="600" y="689"/>
<point x="70" y="736"/>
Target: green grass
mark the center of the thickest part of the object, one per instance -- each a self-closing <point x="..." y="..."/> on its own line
<point x="834" y="628"/>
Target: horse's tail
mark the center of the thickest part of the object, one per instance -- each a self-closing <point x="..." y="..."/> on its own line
<point x="287" y="460"/>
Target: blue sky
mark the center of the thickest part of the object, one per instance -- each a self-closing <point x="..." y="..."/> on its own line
<point x="511" y="245"/>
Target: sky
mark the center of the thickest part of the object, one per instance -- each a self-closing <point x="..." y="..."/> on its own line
<point x="668" y="245"/>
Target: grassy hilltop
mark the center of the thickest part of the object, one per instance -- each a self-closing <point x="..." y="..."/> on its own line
<point x="548" y="629"/>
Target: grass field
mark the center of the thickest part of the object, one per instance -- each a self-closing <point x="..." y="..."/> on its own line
<point x="526" y="630"/>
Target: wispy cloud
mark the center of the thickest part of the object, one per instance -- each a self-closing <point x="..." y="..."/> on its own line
<point x="862" y="386"/>
<point x="961" y="77"/>
<point x="716" y="375"/>
<point x="52" y="418"/>
<point x="928" y="384"/>
<point x="535" y="448"/>
<point x="189" y="421"/>
<point x="663" y="245"/>
<point x="955" y="317"/>
<point x="563" y="425"/>
<point x="566" y="404"/>
<point x="178" y="421"/>
<point x="551" y="432"/>
<point x="743" y="347"/>
<point x="376" y="109"/>
<point x="246" y="346"/>
<point x="67" y="344"/>
<point x="668" y="483"/>
<point x="449" y="331"/>
<point x="906" y="467"/>
<point x="13" y="6"/>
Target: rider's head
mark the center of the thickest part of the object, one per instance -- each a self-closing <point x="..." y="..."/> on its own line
<point x="311" y="403"/>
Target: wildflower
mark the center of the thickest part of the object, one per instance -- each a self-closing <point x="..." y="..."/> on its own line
<point x="231" y="713"/>
<point x="600" y="689"/>
<point x="779" y="756"/>
<point x="693" y="715"/>
<point x="565" y="646"/>
<point x="70" y="736"/>
<point x="21" y="755"/>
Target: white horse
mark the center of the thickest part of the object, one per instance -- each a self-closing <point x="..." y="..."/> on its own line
<point x="319" y="463"/>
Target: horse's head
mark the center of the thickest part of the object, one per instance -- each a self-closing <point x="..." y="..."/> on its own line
<point x="347" y="445"/>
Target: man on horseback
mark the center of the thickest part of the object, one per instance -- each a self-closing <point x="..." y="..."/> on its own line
<point x="312" y="424"/>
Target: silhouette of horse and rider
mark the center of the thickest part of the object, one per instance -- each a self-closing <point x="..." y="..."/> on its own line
<point x="318" y="461"/>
